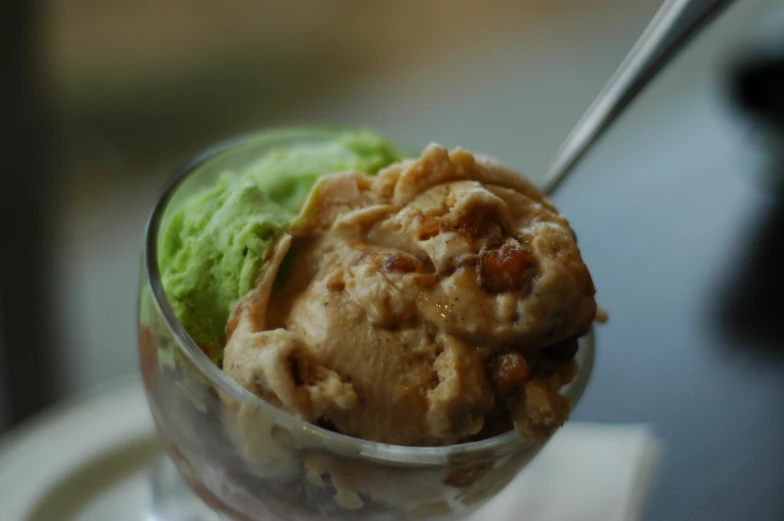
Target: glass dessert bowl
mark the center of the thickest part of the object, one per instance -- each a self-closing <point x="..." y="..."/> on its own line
<point x="250" y="460"/>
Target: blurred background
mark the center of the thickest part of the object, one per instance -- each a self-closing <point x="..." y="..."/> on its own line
<point x="680" y="209"/>
<point x="103" y="101"/>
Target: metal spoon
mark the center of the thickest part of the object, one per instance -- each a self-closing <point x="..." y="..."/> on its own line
<point x="674" y="25"/>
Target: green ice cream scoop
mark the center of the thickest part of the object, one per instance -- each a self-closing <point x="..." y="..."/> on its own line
<point x="287" y="173"/>
<point x="216" y="242"/>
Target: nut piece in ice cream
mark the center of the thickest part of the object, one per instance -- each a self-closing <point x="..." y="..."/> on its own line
<point x="436" y="303"/>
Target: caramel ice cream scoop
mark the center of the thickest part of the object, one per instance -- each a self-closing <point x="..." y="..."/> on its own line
<point x="436" y="303"/>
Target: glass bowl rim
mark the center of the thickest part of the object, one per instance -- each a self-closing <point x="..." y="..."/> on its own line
<point x="502" y="443"/>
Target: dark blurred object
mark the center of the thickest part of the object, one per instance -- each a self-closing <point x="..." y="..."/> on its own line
<point x="758" y="86"/>
<point x="26" y="381"/>
<point x="752" y="306"/>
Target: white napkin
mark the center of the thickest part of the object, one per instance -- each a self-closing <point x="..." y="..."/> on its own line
<point x="587" y="472"/>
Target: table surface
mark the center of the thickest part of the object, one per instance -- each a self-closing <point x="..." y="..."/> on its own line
<point x="680" y="214"/>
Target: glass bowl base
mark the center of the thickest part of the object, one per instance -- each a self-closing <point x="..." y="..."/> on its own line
<point x="172" y="499"/>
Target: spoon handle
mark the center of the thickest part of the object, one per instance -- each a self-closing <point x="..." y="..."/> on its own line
<point x="673" y="26"/>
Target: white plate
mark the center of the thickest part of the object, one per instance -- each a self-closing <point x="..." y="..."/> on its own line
<point x="87" y="459"/>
